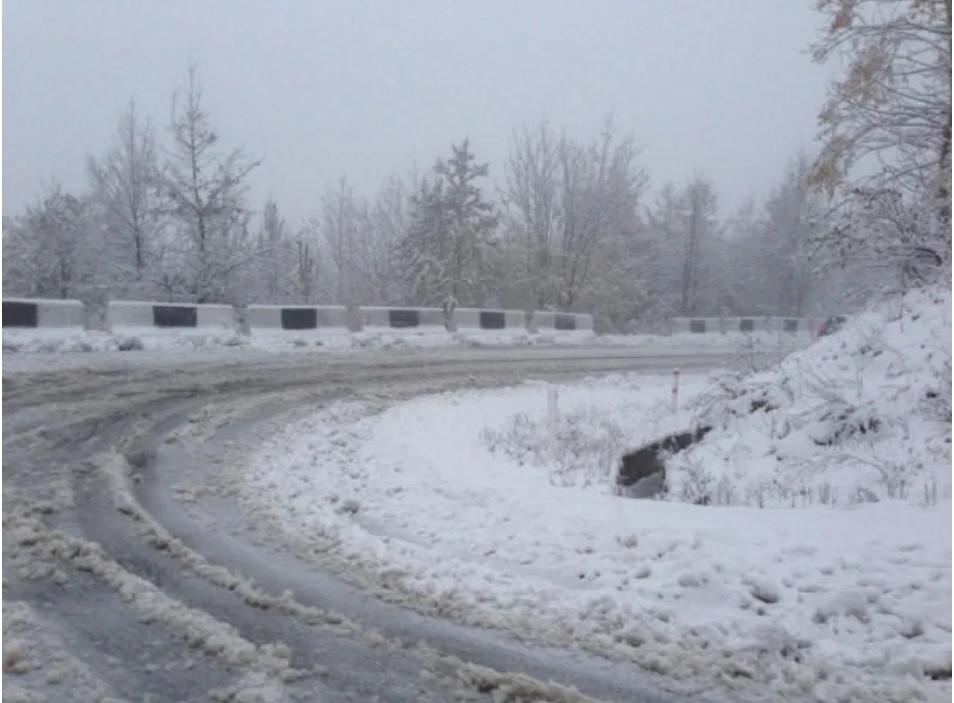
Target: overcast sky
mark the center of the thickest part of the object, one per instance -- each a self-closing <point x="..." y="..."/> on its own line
<point x="322" y="89"/>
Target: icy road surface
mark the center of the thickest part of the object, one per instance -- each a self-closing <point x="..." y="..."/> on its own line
<point x="129" y="576"/>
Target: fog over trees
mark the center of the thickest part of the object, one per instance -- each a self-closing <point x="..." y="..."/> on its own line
<point x="567" y="222"/>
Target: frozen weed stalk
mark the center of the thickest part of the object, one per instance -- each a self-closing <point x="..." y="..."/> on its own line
<point x="553" y="418"/>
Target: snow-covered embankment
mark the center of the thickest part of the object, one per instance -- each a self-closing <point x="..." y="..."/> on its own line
<point x="811" y="572"/>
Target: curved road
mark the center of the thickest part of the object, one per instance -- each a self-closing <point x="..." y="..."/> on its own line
<point x="128" y="575"/>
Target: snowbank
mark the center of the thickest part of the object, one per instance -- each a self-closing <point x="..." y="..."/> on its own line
<point x="58" y="341"/>
<point x="61" y="342"/>
<point x="861" y="416"/>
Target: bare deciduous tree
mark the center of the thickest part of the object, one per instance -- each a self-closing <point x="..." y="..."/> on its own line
<point x="699" y="209"/>
<point x="125" y="185"/>
<point x="887" y="135"/>
<point x="386" y="226"/>
<point x="893" y="105"/>
<point x="571" y="220"/>
<point x="534" y="215"/>
<point x="275" y="249"/>
<point x="343" y="216"/>
<point x="795" y="214"/>
<point x="306" y="271"/>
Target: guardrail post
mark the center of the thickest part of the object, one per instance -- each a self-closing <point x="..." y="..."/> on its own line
<point x="553" y="413"/>
<point x="675" y="390"/>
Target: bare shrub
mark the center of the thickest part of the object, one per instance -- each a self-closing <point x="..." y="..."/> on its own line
<point x="698" y="484"/>
<point x="583" y="451"/>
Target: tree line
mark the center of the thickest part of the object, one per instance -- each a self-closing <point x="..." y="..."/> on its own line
<point x="566" y="223"/>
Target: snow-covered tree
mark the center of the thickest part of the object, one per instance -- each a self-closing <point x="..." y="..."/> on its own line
<point x="747" y="282"/>
<point x="424" y="249"/>
<point x="126" y="193"/>
<point x="894" y="101"/>
<point x="615" y="294"/>
<point x="52" y="251"/>
<point x="361" y="241"/>
<point x="699" y="226"/>
<point x="533" y="221"/>
<point x="343" y="217"/>
<point x="274" y="260"/>
<point x="901" y="241"/>
<point x="386" y="226"/>
<point x="601" y="186"/>
<point x="571" y="221"/>
<point x="447" y="246"/>
<point x="306" y="271"/>
<point x="206" y="193"/>
<point x="283" y="262"/>
<point x="690" y="259"/>
<point x="795" y="216"/>
<point x="659" y="244"/>
<point x="886" y="130"/>
<point x="685" y="223"/>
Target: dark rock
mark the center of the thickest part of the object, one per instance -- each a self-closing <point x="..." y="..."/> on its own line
<point x="642" y="473"/>
<point x="140" y="458"/>
<point x="129" y="344"/>
<point x="939" y="673"/>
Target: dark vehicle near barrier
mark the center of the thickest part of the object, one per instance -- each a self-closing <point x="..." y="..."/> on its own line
<point x="831" y="325"/>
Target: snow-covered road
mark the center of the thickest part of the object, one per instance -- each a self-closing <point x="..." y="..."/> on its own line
<point x="130" y="573"/>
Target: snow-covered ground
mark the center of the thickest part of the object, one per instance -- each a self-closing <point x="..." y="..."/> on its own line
<point x="60" y="341"/>
<point x="476" y="505"/>
<point x="861" y="416"/>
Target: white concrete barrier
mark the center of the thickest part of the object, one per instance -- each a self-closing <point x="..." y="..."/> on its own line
<point x="464" y="319"/>
<point x="408" y="319"/>
<point x="295" y="319"/>
<point x="754" y="323"/>
<point x="584" y="322"/>
<point x="743" y="324"/>
<point x="478" y="318"/>
<point x="732" y="324"/>
<point x="147" y="317"/>
<point x="693" y="325"/>
<point x="161" y="318"/>
<point x="516" y="319"/>
<point x="469" y="318"/>
<point x="41" y="313"/>
<point x="790" y="324"/>
<point x="560" y="321"/>
<point x="541" y="320"/>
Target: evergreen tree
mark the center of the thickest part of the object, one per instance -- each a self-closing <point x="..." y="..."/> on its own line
<point x="206" y="192"/>
<point x="446" y="250"/>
